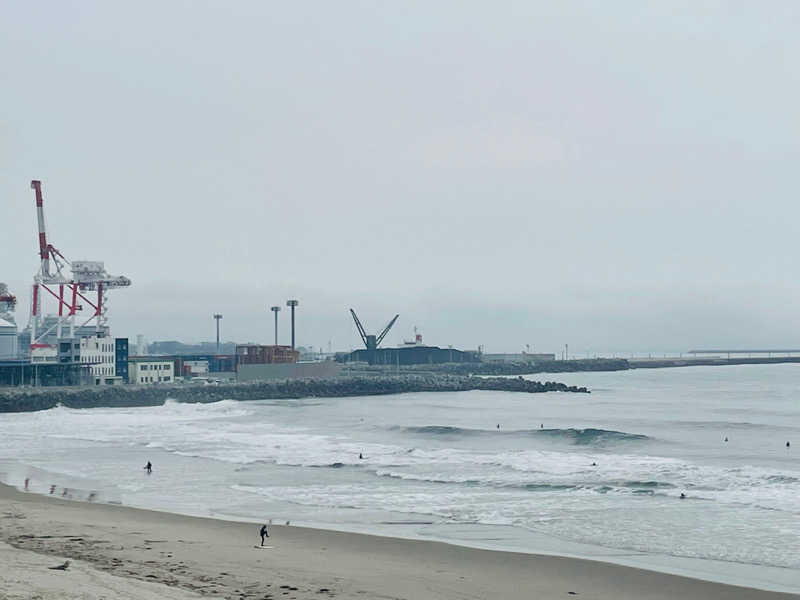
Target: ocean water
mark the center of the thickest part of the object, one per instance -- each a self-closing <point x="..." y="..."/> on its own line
<point x="596" y="475"/>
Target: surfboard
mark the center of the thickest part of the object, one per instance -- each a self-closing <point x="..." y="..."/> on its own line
<point x="262" y="547"/>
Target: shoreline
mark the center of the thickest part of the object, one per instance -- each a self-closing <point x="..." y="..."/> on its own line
<point x="213" y="556"/>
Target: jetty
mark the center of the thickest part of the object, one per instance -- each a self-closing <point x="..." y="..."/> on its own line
<point x="33" y="399"/>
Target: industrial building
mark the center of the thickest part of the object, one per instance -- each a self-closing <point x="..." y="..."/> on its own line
<point x="257" y="354"/>
<point x="48" y="324"/>
<point x="411" y="355"/>
<point x="255" y="362"/>
<point x="99" y="354"/>
<point x="23" y="372"/>
<point x="220" y="366"/>
<point x="121" y="349"/>
<point x="8" y="326"/>
<point x="8" y="340"/>
<point x="144" y="370"/>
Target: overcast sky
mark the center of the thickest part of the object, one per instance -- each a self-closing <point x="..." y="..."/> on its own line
<point x="619" y="176"/>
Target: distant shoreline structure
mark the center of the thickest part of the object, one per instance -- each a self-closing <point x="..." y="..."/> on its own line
<point x="580" y="365"/>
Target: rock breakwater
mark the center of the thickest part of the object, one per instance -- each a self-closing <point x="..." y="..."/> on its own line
<point x="26" y="399"/>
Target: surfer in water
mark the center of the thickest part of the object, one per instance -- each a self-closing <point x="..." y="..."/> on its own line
<point x="148" y="467"/>
<point x="263" y="533"/>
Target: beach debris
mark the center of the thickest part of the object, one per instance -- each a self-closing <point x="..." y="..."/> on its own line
<point x="62" y="567"/>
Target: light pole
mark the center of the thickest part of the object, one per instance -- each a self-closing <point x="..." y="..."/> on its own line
<point x="275" y="309"/>
<point x="293" y="304"/>
<point x="217" y="317"/>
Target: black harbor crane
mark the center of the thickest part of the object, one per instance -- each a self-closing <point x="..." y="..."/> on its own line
<point x="371" y="342"/>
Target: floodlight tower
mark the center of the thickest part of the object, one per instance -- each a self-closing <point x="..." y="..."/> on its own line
<point x="275" y="309"/>
<point x="217" y="317"/>
<point x="293" y="304"/>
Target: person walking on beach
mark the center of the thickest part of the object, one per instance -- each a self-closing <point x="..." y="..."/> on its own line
<point x="264" y="533"/>
<point x="148" y="467"/>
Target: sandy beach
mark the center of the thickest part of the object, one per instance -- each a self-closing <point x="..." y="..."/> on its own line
<point x="123" y="552"/>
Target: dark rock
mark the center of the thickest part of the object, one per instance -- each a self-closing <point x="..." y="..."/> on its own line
<point x="29" y="399"/>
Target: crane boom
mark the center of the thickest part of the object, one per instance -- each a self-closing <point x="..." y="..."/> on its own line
<point x="44" y="251"/>
<point x="359" y="326"/>
<point x="385" y="331"/>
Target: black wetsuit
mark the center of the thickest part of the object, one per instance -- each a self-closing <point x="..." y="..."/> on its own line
<point x="263" y="533"/>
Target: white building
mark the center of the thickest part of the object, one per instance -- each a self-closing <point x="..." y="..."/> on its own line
<point x="8" y="339"/>
<point x="99" y="353"/>
<point x="150" y="370"/>
<point x="43" y="353"/>
<point x="196" y="367"/>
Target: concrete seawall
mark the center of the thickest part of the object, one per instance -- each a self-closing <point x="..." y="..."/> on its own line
<point x="663" y="363"/>
<point x="22" y="400"/>
<point x="497" y="368"/>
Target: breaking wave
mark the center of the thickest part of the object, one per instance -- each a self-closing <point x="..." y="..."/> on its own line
<point x="576" y="436"/>
<point x="592" y="436"/>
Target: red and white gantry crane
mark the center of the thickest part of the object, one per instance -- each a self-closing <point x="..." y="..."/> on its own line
<point x="68" y="289"/>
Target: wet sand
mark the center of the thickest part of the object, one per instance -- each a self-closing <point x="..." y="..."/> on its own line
<point x="120" y="552"/>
